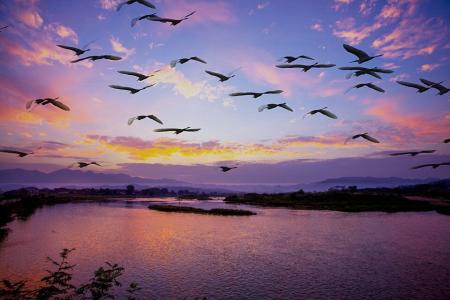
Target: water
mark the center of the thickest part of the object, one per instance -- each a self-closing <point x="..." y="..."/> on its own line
<point x="277" y="254"/>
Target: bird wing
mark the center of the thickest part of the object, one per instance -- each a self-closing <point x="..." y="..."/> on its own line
<point x="290" y="66"/>
<point x="284" y="105"/>
<point x="274" y="92"/>
<point x="427" y="151"/>
<point x="422" y="166"/>
<point x="156" y="119"/>
<point x="221" y="76"/>
<point x="369" y="138"/>
<point x="173" y="63"/>
<point x="427" y="82"/>
<point x="131" y="120"/>
<point x="328" y="113"/>
<point x="111" y="57"/>
<point x="189" y="14"/>
<point x="165" y="129"/>
<point x="196" y="58"/>
<point x="400" y="153"/>
<point x="131" y="73"/>
<point x="359" y="53"/>
<point x="306" y="57"/>
<point x="81" y="59"/>
<point x="146" y="3"/>
<point x="385" y="71"/>
<point x="60" y="105"/>
<point x="372" y="74"/>
<point x="119" y="87"/>
<point x="323" y="65"/>
<point x="435" y="85"/>
<point x="262" y="107"/>
<point x="74" y="49"/>
<point x="96" y="163"/>
<point x="30" y="104"/>
<point x="350" y="88"/>
<point x="307" y="114"/>
<point x="10" y="151"/>
<point x="242" y="94"/>
<point x="375" y="87"/>
<point x="119" y="7"/>
<point x="353" y="68"/>
<point x="411" y="84"/>
<point x="192" y="129"/>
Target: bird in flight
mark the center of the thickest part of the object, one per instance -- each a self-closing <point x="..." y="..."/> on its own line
<point x="76" y="50"/>
<point x="289" y="59"/>
<point x="369" y="85"/>
<point x="130" y="89"/>
<point x="442" y="89"/>
<point x="221" y="77"/>
<point x="362" y="56"/>
<point x="255" y="94"/>
<point x="129" y="2"/>
<point x="434" y="166"/>
<point x="420" y="88"/>
<point x="140" y="77"/>
<point x="18" y="152"/>
<point x="305" y="68"/>
<point x="82" y="164"/>
<point x="184" y="60"/>
<point x="152" y="117"/>
<point x="364" y="136"/>
<point x="156" y="18"/>
<point x="97" y="57"/>
<point x="3" y="28"/>
<point x="322" y="111"/>
<point x="412" y="153"/>
<point x="358" y="71"/>
<point x="274" y="105"/>
<point x="226" y="169"/>
<point x="177" y="130"/>
<point x="44" y="101"/>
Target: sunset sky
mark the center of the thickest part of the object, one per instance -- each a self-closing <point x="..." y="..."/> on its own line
<point x="250" y="35"/>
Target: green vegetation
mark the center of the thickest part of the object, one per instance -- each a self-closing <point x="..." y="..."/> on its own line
<point x="57" y="283"/>
<point x="349" y="200"/>
<point x="214" y="211"/>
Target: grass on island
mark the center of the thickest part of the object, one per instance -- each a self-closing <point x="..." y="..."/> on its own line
<point x="214" y="211"/>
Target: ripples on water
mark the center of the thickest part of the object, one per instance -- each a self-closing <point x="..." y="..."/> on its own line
<point x="278" y="254"/>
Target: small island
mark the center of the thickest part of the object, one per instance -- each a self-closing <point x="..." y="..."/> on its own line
<point x="193" y="210"/>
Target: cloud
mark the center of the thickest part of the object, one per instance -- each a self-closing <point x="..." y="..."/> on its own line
<point x="120" y="48"/>
<point x="428" y="67"/>
<point x="31" y="18"/>
<point x="317" y="27"/>
<point x="262" y="5"/>
<point x="366" y="7"/>
<point x="338" y="4"/>
<point x="64" y="32"/>
<point x="109" y="4"/>
<point x="347" y="30"/>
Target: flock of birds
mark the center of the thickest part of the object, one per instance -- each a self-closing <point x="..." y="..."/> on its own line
<point x="356" y="71"/>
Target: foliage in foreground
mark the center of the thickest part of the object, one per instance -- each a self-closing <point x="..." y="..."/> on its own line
<point x="57" y="283"/>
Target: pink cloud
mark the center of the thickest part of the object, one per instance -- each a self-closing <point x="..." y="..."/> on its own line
<point x="30" y="18"/>
<point x="428" y="67"/>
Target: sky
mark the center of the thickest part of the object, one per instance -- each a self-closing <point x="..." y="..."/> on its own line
<point x="276" y="146"/>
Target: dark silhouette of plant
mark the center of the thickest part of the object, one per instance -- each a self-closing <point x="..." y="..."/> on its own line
<point x="104" y="279"/>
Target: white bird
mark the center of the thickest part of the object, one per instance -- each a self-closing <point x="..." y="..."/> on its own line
<point x="412" y="153"/>
<point x="82" y="164"/>
<point x="305" y="68"/>
<point x="177" y="130"/>
<point x="369" y="85"/>
<point x="434" y="166"/>
<point x="289" y="59"/>
<point x="221" y="77"/>
<point x="156" y="18"/>
<point x="140" y="76"/>
<point x="97" y="57"/>
<point x="364" y="136"/>
<point x="44" y="101"/>
<point x="184" y="60"/>
<point x="358" y="71"/>
<point x="19" y="153"/>
<point x="442" y="89"/>
<point x="255" y="94"/>
<point x="130" y="89"/>
<point x="362" y="56"/>
<point x="322" y="111"/>
<point x="153" y="117"/>
<point x="274" y="105"/>
<point x="128" y="2"/>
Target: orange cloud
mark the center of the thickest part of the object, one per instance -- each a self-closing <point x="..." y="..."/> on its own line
<point x="30" y="18"/>
<point x="64" y="32"/>
<point x="429" y="67"/>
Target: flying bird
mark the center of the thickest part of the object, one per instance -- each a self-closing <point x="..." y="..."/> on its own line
<point x="140" y="77"/>
<point x="44" y="101"/>
<point x="156" y="18"/>
<point x="364" y="136"/>
<point x="434" y="166"/>
<point x="412" y="153"/>
<point x="369" y="85"/>
<point x="152" y="117"/>
<point x="177" y="130"/>
<point x="129" y="2"/>
<point x="305" y="68"/>
<point x="255" y="94"/>
<point x="420" y="88"/>
<point x="221" y="77"/>
<point x="19" y="153"/>
<point x="184" y="60"/>
<point x="82" y="164"/>
<point x="226" y="169"/>
<point x="3" y="28"/>
<point x="322" y="111"/>
<point x="97" y="57"/>
<point x="358" y="71"/>
<point x="130" y="89"/>
<point x="289" y="59"/>
<point x="442" y="89"/>
<point x="77" y="51"/>
<point x="362" y="56"/>
<point x="274" y="105"/>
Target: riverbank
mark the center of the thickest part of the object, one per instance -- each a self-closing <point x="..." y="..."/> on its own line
<point x="193" y="210"/>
